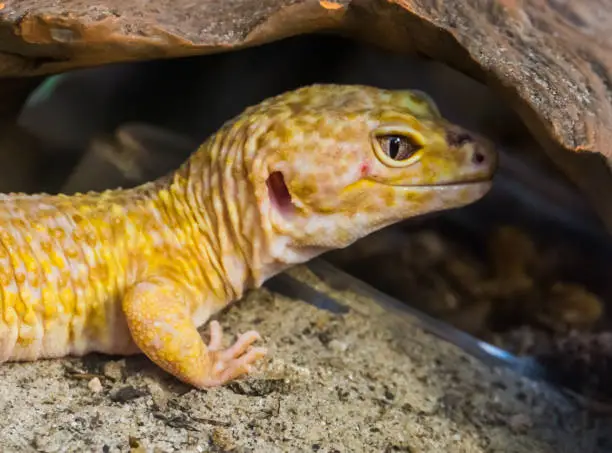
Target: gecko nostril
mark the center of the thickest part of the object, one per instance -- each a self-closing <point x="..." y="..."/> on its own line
<point x="478" y="157"/>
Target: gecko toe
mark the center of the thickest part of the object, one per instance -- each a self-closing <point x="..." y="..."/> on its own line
<point x="239" y="366"/>
<point x="216" y="336"/>
<point x="241" y="345"/>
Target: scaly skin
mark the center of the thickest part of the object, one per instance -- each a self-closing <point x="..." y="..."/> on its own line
<point x="138" y="270"/>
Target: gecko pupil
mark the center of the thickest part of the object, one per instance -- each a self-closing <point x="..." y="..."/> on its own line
<point x="399" y="147"/>
<point x="395" y="144"/>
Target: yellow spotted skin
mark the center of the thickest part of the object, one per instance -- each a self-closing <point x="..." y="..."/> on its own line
<point x="139" y="270"/>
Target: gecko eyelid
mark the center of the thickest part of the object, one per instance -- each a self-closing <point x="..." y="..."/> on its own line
<point x="398" y="147"/>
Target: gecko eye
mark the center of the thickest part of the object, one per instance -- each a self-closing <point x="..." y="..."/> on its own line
<point x="397" y="149"/>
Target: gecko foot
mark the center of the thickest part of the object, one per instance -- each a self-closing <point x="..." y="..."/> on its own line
<point x="230" y="363"/>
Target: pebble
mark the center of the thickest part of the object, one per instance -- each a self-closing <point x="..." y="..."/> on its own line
<point x="95" y="385"/>
<point x="114" y="370"/>
<point x="338" y="346"/>
<point x="223" y="439"/>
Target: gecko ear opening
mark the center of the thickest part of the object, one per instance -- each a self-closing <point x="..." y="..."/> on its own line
<point x="279" y="193"/>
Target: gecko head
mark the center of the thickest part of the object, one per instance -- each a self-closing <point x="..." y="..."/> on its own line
<point x="336" y="163"/>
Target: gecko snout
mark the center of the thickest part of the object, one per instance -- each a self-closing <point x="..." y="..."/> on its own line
<point x="480" y="151"/>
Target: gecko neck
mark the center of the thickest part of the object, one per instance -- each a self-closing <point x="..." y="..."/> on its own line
<point x="215" y="205"/>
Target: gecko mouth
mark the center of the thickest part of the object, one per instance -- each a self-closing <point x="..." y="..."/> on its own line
<point x="453" y="185"/>
<point x="445" y="185"/>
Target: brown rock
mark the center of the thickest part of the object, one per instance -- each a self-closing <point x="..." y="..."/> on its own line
<point x="551" y="59"/>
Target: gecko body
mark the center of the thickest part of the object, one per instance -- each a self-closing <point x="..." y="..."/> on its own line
<point x="139" y="270"/>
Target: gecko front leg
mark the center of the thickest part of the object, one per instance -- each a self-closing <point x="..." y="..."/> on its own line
<point x="159" y="322"/>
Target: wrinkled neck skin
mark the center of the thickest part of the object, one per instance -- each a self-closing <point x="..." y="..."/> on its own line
<point x="221" y="197"/>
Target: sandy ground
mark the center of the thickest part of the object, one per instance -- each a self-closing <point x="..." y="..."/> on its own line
<point x="350" y="382"/>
